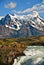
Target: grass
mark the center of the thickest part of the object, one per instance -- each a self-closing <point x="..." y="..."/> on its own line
<point x="10" y="48"/>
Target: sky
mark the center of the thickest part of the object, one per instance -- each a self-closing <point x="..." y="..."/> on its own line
<point x="21" y="7"/>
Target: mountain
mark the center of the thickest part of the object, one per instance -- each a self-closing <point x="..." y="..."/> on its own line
<point x="21" y="25"/>
<point x="1" y="17"/>
<point x="36" y="24"/>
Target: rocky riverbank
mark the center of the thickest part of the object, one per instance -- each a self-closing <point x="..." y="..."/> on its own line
<point x="11" y="48"/>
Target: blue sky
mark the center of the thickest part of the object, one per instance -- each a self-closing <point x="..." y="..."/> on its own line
<point x="21" y="6"/>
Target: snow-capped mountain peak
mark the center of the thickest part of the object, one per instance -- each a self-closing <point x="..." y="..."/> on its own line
<point x="22" y="25"/>
<point x="11" y="22"/>
<point x="36" y="21"/>
<point x="35" y="13"/>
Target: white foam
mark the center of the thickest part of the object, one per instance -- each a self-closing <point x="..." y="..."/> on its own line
<point x="35" y="53"/>
<point x="37" y="60"/>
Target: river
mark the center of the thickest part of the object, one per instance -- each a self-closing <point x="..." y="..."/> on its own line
<point x="34" y="55"/>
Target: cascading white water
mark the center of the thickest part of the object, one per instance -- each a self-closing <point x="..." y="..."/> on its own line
<point x="34" y="56"/>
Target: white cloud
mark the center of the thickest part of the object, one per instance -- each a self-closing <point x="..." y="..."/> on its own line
<point x="17" y="12"/>
<point x="10" y="5"/>
<point x="42" y="1"/>
<point x="37" y="7"/>
<point x="41" y="11"/>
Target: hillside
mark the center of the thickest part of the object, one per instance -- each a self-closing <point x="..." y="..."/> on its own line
<point x="11" y="48"/>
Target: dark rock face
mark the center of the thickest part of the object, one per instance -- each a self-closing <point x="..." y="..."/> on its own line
<point x="36" y="32"/>
<point x="9" y="33"/>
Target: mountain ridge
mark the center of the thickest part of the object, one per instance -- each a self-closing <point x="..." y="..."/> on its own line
<point x="22" y="26"/>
